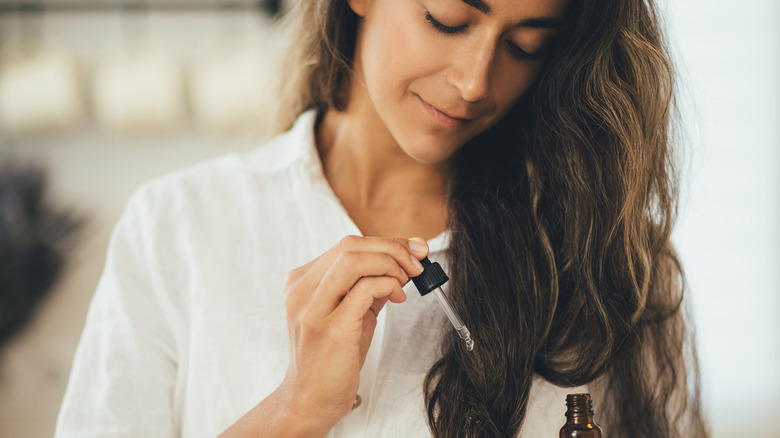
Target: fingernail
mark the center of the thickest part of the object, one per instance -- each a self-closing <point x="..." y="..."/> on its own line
<point x="417" y="264"/>
<point x="418" y="246"/>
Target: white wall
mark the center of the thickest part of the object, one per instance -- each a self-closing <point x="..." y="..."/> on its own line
<point x="729" y="230"/>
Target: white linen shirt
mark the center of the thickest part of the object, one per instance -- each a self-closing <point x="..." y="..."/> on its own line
<point x="186" y="331"/>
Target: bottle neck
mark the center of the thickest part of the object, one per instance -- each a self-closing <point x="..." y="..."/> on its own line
<point x="579" y="409"/>
<point x="579" y="418"/>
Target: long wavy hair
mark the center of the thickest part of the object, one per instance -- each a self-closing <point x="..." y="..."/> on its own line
<point x="560" y="220"/>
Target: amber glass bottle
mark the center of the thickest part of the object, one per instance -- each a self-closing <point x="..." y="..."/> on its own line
<point x="579" y="418"/>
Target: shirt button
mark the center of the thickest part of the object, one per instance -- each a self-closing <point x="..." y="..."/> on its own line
<point x="358" y="401"/>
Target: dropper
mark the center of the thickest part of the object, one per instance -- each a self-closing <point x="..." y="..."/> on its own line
<point x="431" y="279"/>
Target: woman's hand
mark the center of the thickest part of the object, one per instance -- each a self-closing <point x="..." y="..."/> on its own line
<point x="332" y="305"/>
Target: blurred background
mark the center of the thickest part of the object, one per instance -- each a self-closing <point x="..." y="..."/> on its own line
<point x="97" y="96"/>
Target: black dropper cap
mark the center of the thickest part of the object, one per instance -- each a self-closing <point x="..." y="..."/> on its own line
<point x="432" y="276"/>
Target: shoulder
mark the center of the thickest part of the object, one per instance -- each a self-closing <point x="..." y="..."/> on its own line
<point x="267" y="172"/>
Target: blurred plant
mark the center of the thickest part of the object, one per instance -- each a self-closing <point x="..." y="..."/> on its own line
<point x="34" y="241"/>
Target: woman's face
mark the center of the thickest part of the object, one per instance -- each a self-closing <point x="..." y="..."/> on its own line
<point x="436" y="73"/>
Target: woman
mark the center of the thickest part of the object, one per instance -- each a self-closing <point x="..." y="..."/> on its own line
<point x="526" y="143"/>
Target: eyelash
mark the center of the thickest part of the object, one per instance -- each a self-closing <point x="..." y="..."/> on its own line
<point x="442" y="27"/>
<point x="516" y="51"/>
<point x="519" y="53"/>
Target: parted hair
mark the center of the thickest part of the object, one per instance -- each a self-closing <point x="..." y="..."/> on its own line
<point x="560" y="219"/>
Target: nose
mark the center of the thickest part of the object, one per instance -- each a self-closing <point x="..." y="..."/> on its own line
<point x="471" y="69"/>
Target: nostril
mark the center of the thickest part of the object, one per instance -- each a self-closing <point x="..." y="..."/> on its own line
<point x="472" y="84"/>
<point x="473" y="91"/>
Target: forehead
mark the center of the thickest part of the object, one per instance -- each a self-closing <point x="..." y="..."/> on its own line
<point x="531" y="8"/>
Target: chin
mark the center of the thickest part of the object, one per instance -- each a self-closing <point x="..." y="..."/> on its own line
<point x="429" y="144"/>
<point x="431" y="152"/>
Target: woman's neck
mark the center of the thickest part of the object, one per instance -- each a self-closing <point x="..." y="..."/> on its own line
<point x="385" y="192"/>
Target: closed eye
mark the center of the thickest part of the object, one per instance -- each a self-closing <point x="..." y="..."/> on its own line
<point x="443" y="28"/>
<point x="519" y="53"/>
<point x="514" y="49"/>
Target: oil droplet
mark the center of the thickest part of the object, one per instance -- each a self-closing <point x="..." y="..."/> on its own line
<point x="469" y="343"/>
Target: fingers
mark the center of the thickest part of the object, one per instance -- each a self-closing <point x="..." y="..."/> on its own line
<point x="321" y="285"/>
<point x="348" y="272"/>
<point x="419" y="247"/>
<point x="368" y="294"/>
<point x="406" y="253"/>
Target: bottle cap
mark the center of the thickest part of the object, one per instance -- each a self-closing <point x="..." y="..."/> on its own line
<point x="433" y="276"/>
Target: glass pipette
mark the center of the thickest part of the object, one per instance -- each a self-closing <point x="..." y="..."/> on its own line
<point x="431" y="279"/>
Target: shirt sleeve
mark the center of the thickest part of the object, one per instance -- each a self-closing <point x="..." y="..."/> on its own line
<point x="124" y="370"/>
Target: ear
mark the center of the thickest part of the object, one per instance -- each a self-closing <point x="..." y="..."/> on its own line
<point x="359" y="7"/>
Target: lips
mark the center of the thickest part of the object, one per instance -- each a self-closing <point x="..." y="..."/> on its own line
<point x="444" y="118"/>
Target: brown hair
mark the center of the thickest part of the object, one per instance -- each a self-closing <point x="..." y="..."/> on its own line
<point x="318" y="62"/>
<point x="560" y="218"/>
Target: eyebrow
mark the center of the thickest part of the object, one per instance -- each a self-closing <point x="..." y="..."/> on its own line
<point x="542" y="23"/>
<point x="480" y="5"/>
<point x="536" y="23"/>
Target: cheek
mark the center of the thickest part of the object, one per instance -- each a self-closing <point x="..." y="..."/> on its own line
<point x="388" y="48"/>
<point x="397" y="51"/>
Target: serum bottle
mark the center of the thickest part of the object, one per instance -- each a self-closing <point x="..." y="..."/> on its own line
<point x="579" y="418"/>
